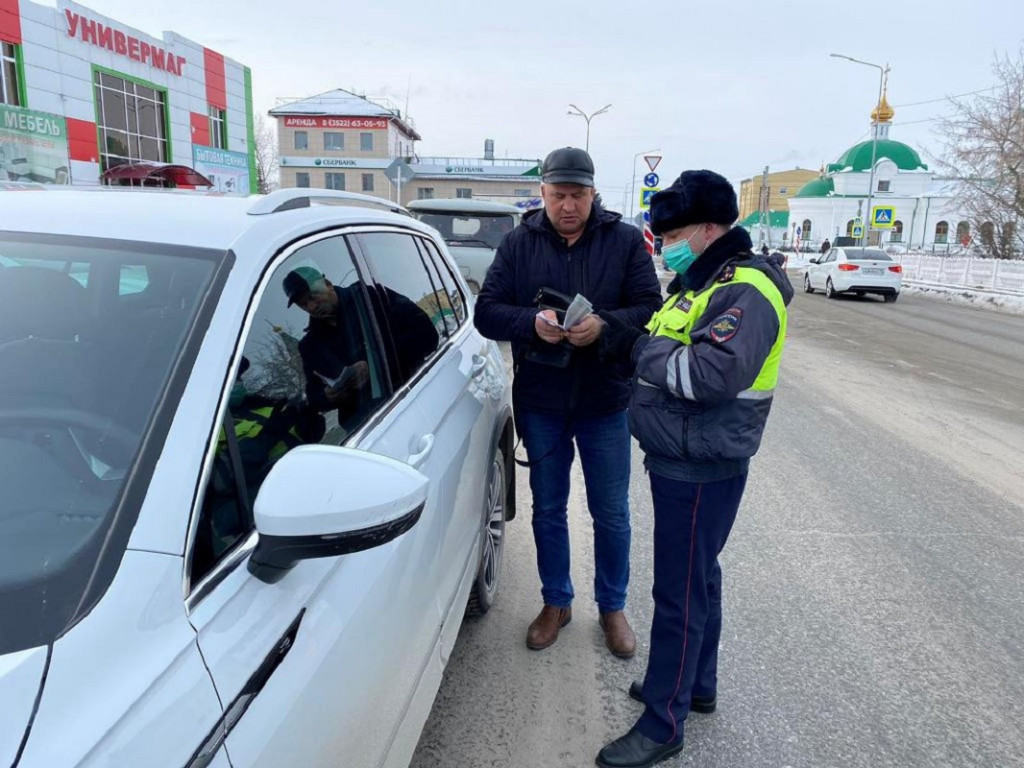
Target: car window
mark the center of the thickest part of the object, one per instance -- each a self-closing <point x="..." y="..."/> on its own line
<point x="310" y="372"/>
<point x="404" y="294"/>
<point x="455" y="298"/>
<point x="84" y="383"/>
<point x="441" y="303"/>
<point x="469" y="229"/>
<point x="831" y="255"/>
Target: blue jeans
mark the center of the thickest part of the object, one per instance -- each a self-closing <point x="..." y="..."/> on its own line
<point x="604" y="446"/>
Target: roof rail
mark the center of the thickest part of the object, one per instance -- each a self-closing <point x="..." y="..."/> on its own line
<point x="304" y="197"/>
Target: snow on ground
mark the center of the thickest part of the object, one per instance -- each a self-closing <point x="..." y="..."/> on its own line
<point x="1001" y="301"/>
<point x="1004" y="302"/>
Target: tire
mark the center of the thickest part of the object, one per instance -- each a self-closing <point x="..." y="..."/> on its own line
<point x="890" y="298"/>
<point x="807" y="284"/>
<point x="830" y="290"/>
<point x="488" y="575"/>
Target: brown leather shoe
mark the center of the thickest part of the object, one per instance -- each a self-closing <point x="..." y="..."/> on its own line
<point x="544" y="629"/>
<point x="618" y="635"/>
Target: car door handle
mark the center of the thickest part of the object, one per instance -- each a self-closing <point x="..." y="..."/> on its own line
<point x="478" y="367"/>
<point x="426" y="445"/>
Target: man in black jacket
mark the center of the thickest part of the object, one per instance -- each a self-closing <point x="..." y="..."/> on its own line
<point x="562" y="389"/>
<point x="333" y="350"/>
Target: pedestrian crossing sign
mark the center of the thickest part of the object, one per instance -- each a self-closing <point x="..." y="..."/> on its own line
<point x="857" y="232"/>
<point x="646" y="194"/>
<point x="883" y="216"/>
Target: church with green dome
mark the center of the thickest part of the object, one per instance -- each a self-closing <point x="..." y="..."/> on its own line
<point x="924" y="212"/>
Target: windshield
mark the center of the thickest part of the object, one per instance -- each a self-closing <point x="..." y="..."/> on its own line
<point x="481" y="230"/>
<point x="90" y="332"/>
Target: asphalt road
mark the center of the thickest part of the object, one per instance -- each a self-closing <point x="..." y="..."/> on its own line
<point x="873" y="581"/>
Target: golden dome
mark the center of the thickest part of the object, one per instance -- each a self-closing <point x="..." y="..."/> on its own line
<point x="884" y="112"/>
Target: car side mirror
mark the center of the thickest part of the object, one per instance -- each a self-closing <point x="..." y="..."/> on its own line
<point x="814" y="261"/>
<point x="325" y="501"/>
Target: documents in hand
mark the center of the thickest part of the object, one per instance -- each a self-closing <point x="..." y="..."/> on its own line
<point x="577" y="311"/>
<point x="342" y="379"/>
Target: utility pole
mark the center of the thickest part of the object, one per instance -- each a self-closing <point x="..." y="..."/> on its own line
<point x="762" y="207"/>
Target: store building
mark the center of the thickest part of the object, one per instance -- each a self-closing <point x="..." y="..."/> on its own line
<point x="340" y="140"/>
<point x="82" y="94"/>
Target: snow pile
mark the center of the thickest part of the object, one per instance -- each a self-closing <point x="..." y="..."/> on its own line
<point x="1005" y="302"/>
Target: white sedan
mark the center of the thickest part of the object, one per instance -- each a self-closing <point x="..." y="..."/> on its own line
<point x="854" y="270"/>
<point x="255" y="462"/>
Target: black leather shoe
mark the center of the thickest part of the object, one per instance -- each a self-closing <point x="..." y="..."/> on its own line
<point x="634" y="750"/>
<point x="697" y="704"/>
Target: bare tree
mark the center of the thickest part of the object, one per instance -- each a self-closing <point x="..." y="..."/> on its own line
<point x="267" y="157"/>
<point x="984" y="152"/>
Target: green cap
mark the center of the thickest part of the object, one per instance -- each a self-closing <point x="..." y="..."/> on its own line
<point x="299" y="283"/>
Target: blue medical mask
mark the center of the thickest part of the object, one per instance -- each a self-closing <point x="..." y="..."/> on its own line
<point x="679" y="256"/>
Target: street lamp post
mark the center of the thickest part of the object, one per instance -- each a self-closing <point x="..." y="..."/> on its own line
<point x="580" y="113"/>
<point x="632" y="197"/>
<point x="882" y="73"/>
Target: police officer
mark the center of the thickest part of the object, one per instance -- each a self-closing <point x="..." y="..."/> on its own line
<point x="702" y="391"/>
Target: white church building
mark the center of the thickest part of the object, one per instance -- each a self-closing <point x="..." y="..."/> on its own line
<point x="925" y="214"/>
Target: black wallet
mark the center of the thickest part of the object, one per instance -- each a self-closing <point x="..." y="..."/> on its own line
<point x="556" y="355"/>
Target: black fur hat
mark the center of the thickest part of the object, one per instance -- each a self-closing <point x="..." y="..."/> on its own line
<point x="696" y="197"/>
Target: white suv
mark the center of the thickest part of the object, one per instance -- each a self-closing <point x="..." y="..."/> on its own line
<point x="238" y="528"/>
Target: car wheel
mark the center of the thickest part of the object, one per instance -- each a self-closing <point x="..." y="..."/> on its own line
<point x="890" y="297"/>
<point x="830" y="290"/>
<point x="807" y="284"/>
<point x="485" y="588"/>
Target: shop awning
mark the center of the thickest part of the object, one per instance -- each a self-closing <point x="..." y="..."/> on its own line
<point x="179" y="175"/>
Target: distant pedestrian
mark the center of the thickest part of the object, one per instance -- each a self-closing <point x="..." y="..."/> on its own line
<point x="825" y="246"/>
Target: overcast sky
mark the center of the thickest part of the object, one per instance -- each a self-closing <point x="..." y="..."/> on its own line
<point x="731" y="86"/>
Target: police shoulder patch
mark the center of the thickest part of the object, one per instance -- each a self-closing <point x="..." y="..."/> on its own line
<point x="725" y="326"/>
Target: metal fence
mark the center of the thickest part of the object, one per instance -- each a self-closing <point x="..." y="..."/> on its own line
<point x="964" y="271"/>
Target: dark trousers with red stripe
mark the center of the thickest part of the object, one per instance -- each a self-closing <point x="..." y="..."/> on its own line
<point x="692" y="522"/>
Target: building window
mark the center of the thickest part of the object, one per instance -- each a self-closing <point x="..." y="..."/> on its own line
<point x="302" y="139"/>
<point x="849" y="228"/>
<point x="805" y="229"/>
<point x="521" y="193"/>
<point x="336" y="180"/>
<point x="942" y="232"/>
<point x="883" y="186"/>
<point x="334" y="142"/>
<point x="218" y="128"/>
<point x="963" y="233"/>
<point x="896" y="236"/>
<point x="367" y="182"/>
<point x="425" y="193"/>
<point x="132" y="121"/>
<point x="366" y="142"/>
<point x="783" y="190"/>
<point x="302" y="179"/>
<point x="9" y="90"/>
<point x="463" y="192"/>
